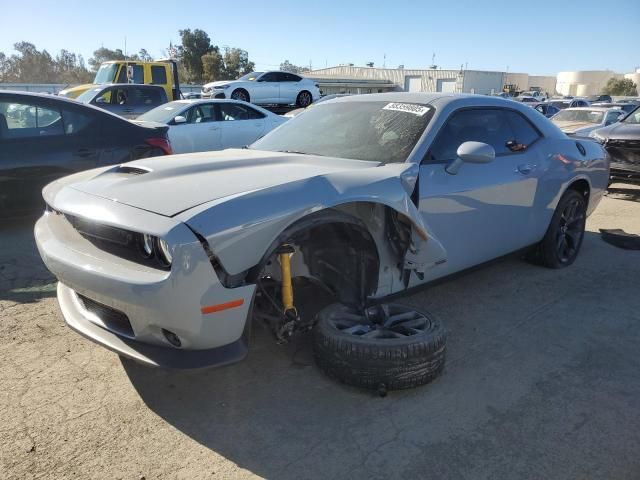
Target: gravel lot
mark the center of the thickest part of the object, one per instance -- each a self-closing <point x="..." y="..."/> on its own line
<point x="542" y="381"/>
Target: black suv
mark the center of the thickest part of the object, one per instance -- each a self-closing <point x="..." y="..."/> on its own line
<point x="43" y="137"/>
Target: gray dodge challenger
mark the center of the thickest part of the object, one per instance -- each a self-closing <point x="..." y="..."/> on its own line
<point x="170" y="260"/>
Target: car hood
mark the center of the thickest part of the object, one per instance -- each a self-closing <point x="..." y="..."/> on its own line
<point x="173" y="184"/>
<point x="217" y="84"/>
<point x="573" y="127"/>
<point x="621" y="131"/>
<point x="73" y="92"/>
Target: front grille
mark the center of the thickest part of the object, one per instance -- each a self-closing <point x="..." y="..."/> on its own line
<point x="116" y="241"/>
<point x="113" y="319"/>
<point x="630" y="144"/>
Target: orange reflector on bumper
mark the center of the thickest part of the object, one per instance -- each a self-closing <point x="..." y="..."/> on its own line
<point x="221" y="306"/>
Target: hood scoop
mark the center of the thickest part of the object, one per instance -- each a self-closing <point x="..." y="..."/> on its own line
<point x="129" y="170"/>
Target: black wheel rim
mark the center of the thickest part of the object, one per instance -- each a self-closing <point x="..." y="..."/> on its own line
<point x="305" y="99"/>
<point x="239" y="96"/>
<point x="380" y="322"/>
<point x="570" y="230"/>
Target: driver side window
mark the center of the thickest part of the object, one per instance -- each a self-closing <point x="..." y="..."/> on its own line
<point x="505" y="130"/>
<point x="269" y="77"/>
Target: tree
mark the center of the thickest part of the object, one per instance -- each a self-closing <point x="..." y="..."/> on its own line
<point x="104" y="55"/>
<point x="70" y="68"/>
<point x="620" y="86"/>
<point x="4" y="67"/>
<point x="194" y="45"/>
<point x="30" y="65"/>
<point x="213" y="66"/>
<point x="236" y="63"/>
<point x="144" y="56"/>
<point x="290" y="67"/>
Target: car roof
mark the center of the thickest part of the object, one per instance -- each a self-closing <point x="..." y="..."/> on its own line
<point x="593" y="109"/>
<point x="436" y="99"/>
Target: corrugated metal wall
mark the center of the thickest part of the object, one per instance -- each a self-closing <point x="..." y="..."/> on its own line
<point x="430" y="80"/>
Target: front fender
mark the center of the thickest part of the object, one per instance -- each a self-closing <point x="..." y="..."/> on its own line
<point x="239" y="230"/>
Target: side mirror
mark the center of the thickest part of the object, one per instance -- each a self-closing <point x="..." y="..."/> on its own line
<point x="471" y="152"/>
<point x="179" y="119"/>
<point x="101" y="100"/>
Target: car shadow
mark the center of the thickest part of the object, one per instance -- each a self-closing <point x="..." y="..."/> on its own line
<point x="277" y="415"/>
<point x="23" y="276"/>
<point x="261" y="413"/>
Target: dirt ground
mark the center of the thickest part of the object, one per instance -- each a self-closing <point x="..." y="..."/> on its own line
<point x="542" y="381"/>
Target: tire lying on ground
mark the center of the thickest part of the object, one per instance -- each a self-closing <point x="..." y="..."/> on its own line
<point x="385" y="347"/>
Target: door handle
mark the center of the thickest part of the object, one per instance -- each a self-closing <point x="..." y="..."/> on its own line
<point x="84" y="152"/>
<point x="525" y="168"/>
<point x="214" y="128"/>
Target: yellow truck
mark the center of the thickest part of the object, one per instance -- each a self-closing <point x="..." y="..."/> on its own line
<point x="160" y="72"/>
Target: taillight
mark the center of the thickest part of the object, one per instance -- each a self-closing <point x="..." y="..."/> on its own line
<point x="161" y="143"/>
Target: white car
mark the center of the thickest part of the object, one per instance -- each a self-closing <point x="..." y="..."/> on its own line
<point x="584" y="120"/>
<point x="205" y="125"/>
<point x="539" y="96"/>
<point x="266" y="88"/>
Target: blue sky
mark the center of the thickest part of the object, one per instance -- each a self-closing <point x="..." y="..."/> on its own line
<point x="538" y="37"/>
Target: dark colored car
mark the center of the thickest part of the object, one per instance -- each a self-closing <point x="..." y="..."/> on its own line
<point x="622" y="141"/>
<point x="600" y="98"/>
<point x="546" y="109"/>
<point x="127" y="100"/>
<point x="43" y="137"/>
<point x="625" y="107"/>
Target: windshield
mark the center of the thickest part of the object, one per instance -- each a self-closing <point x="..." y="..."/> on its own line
<point x="250" y="77"/>
<point x="87" y="96"/>
<point x="375" y="131"/>
<point x="633" y="117"/>
<point x="106" y="73"/>
<point x="587" y="116"/>
<point x="164" y="113"/>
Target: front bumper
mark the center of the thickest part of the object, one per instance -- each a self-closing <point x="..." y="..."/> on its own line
<point x="217" y="94"/>
<point x="151" y="300"/>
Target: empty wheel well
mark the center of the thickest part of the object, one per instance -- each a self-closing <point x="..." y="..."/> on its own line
<point x="581" y="186"/>
<point x="336" y="249"/>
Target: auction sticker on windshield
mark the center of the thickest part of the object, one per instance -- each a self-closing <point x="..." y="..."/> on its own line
<point x="419" y="110"/>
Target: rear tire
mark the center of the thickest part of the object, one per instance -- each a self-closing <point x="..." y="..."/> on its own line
<point x="354" y="350"/>
<point x="561" y="244"/>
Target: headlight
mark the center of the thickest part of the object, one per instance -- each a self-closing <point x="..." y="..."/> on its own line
<point x="155" y="248"/>
<point x="221" y="87"/>
<point x="146" y="245"/>
<point x="164" y="252"/>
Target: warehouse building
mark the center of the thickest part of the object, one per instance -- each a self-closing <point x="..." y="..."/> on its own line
<point x="351" y="79"/>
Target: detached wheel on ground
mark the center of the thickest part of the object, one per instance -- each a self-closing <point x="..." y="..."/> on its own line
<point x="385" y="347"/>
<point x="561" y="244"/>
<point x="304" y="99"/>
